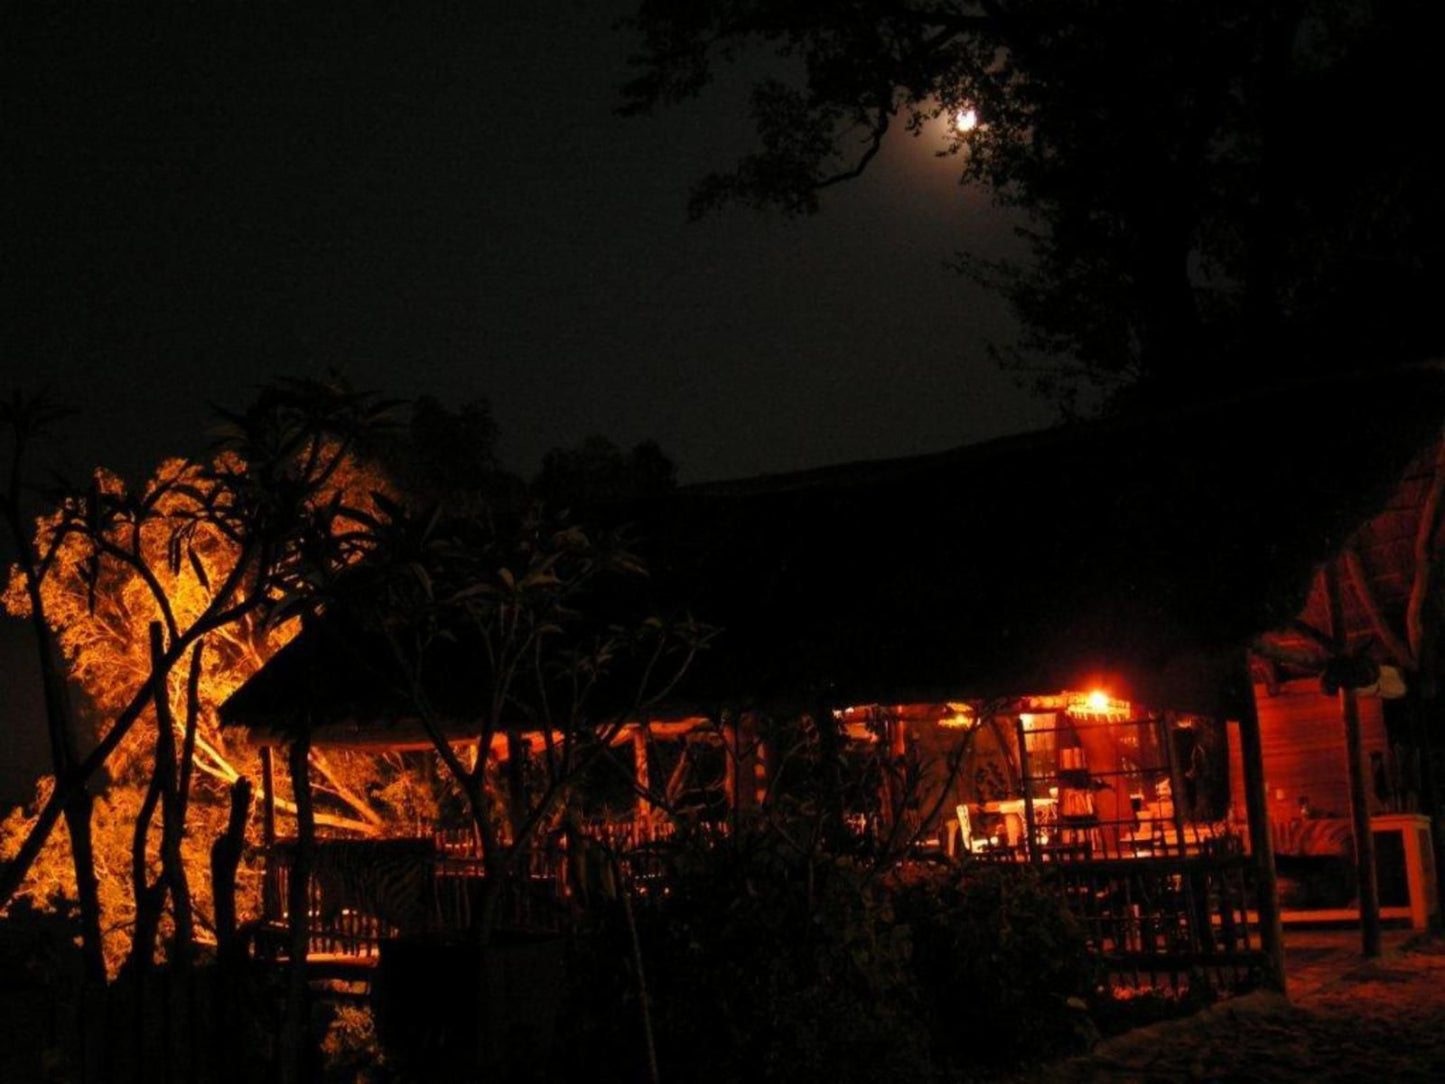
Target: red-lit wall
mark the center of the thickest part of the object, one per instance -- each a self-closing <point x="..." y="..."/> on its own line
<point x="1303" y="736"/>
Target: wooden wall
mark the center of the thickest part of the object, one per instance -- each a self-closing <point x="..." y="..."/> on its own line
<point x="1304" y="751"/>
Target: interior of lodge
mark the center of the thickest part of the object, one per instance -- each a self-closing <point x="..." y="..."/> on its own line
<point x="1072" y="775"/>
<point x="1068" y="776"/>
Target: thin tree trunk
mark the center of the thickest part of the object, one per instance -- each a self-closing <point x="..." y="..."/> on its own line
<point x="225" y="858"/>
<point x="644" y="1002"/>
<point x="12" y="876"/>
<point x="78" y="805"/>
<point x="486" y="918"/>
<point x="174" y="804"/>
<point x="295" y="1029"/>
<point x="484" y="922"/>
<point x="149" y="898"/>
<point x="516" y="783"/>
<point x="830" y="767"/>
<point x="226" y="854"/>
<point x="82" y="852"/>
<point x="1261" y="842"/>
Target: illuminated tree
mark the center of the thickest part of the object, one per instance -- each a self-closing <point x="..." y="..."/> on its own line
<point x="187" y="568"/>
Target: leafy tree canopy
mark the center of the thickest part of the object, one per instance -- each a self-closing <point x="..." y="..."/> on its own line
<point x="1211" y="191"/>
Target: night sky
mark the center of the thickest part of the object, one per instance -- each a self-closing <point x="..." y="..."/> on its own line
<point x="448" y="204"/>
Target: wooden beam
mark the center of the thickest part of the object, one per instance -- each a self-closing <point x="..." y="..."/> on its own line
<point x="1311" y="661"/>
<point x="1424" y="553"/>
<point x="1261" y="843"/>
<point x="1360" y="580"/>
<point x="1354" y="766"/>
<point x="641" y="772"/>
<point x="295" y="1022"/>
<point x="1031" y="838"/>
<point x="268" y="798"/>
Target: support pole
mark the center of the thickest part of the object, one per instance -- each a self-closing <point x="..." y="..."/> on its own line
<point x="272" y="906"/>
<point x="896" y="777"/>
<point x="268" y="798"/>
<point x="295" y="1030"/>
<point x="1026" y="776"/>
<point x="745" y="737"/>
<point x="1261" y="844"/>
<point x="641" y="774"/>
<point x="1359" y="800"/>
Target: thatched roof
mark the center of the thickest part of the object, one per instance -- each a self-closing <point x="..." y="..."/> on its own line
<point x="1378" y="575"/>
<point x="1142" y="551"/>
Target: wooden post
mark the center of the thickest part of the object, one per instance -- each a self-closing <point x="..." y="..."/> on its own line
<point x="830" y="768"/>
<point x="295" y="1029"/>
<point x="745" y="733"/>
<point x="760" y="766"/>
<point x="1199" y="932"/>
<point x="896" y="777"/>
<point x="272" y="906"/>
<point x="1261" y="843"/>
<point x="226" y="854"/>
<point x="1026" y="778"/>
<point x="1176" y="782"/>
<point x="268" y="798"/>
<point x="727" y="727"/>
<point x="1354" y="765"/>
<point x="641" y="774"/>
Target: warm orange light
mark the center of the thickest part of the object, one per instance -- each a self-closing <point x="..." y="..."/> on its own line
<point x="961" y="719"/>
<point x="1097" y="704"/>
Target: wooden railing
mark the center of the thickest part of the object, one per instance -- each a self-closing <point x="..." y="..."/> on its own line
<point x="350" y="932"/>
<point x="1149" y="919"/>
<point x="452" y="870"/>
<point x="1165" y="919"/>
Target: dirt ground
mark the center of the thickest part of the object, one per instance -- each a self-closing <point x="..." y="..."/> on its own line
<point x="1347" y="1020"/>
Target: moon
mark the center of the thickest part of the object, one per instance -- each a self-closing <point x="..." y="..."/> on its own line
<point x="965" y="120"/>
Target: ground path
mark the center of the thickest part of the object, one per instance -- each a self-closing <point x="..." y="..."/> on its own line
<point x="1347" y="1020"/>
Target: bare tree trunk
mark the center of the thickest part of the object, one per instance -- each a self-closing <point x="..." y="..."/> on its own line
<point x="226" y="854"/>
<point x="67" y="782"/>
<point x="149" y="898"/>
<point x="484" y="922"/>
<point x="174" y="800"/>
<point x="644" y="1002"/>
<point x="295" y="1029"/>
<point x="1261" y="842"/>
<point x="487" y="916"/>
<point x="82" y="853"/>
<point x="830" y="766"/>
<point x="516" y="783"/>
<point x="78" y="804"/>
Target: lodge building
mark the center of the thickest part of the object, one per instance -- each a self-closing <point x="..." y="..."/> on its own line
<point x="1176" y="659"/>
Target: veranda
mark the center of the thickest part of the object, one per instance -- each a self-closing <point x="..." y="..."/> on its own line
<point x="1124" y="809"/>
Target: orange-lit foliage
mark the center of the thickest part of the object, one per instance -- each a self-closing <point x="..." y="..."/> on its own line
<point x="100" y="617"/>
<point x="100" y="607"/>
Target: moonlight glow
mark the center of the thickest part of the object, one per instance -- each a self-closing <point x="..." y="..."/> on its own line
<point x="965" y="120"/>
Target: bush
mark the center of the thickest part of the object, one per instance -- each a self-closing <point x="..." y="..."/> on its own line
<point x="768" y="962"/>
<point x="763" y="963"/>
<point x="1000" y="964"/>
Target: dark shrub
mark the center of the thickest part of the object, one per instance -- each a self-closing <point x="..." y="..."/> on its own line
<point x="765" y="963"/>
<point x="999" y="964"/>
